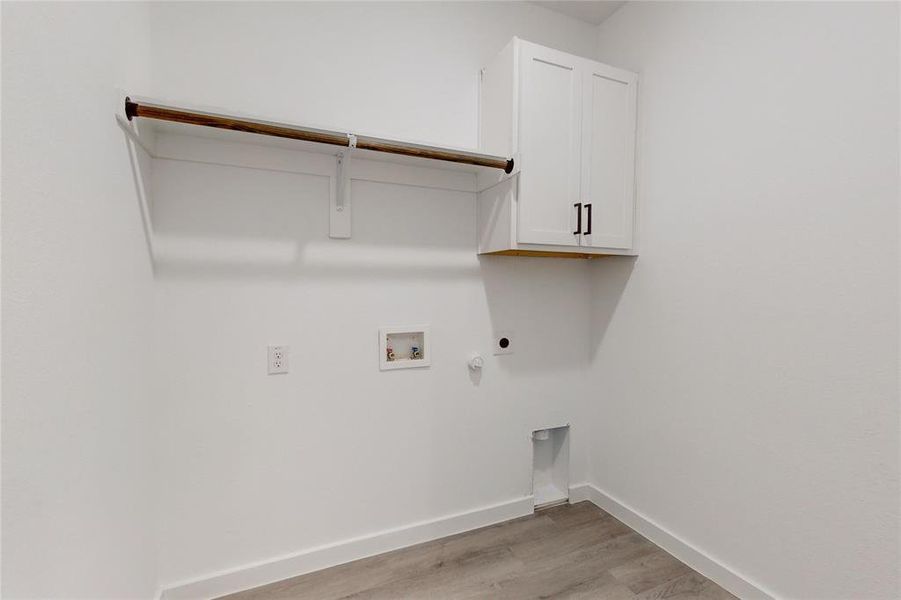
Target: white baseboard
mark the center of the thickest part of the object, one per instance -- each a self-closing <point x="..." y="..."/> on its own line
<point x="313" y="559"/>
<point x="321" y="557"/>
<point x="701" y="562"/>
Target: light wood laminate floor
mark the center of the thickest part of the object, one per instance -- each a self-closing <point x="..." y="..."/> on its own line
<point x="568" y="551"/>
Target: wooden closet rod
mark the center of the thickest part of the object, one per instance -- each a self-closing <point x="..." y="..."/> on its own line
<point x="179" y="115"/>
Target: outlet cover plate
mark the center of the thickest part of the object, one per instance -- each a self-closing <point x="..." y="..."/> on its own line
<point x="278" y="359"/>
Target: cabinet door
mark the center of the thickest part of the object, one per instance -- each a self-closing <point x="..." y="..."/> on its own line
<point x="608" y="156"/>
<point x="550" y="119"/>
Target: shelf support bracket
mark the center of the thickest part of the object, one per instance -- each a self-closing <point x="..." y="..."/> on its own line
<point x="341" y="205"/>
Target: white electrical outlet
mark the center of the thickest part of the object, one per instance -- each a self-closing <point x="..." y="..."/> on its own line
<point x="278" y="359"/>
<point x="503" y="342"/>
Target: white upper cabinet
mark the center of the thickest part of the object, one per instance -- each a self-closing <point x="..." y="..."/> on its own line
<point x="569" y="123"/>
<point x="608" y="156"/>
<point x="550" y="140"/>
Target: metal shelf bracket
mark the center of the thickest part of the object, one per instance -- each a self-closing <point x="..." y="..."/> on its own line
<point x="341" y="205"/>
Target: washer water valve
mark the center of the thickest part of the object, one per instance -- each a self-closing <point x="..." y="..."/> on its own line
<point x="476" y="362"/>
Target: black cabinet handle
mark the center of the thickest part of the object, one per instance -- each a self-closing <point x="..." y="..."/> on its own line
<point x="588" y="231"/>
<point x="578" y="230"/>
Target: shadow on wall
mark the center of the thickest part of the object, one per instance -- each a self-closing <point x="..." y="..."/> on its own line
<point x="543" y="304"/>
<point x="222" y="222"/>
<point x="609" y="277"/>
<point x="210" y="222"/>
<point x="140" y="163"/>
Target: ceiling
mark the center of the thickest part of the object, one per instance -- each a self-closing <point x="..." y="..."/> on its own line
<point x="590" y="11"/>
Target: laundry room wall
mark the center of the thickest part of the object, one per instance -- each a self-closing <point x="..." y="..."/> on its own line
<point x="745" y="368"/>
<point x="78" y="405"/>
<point x="261" y="467"/>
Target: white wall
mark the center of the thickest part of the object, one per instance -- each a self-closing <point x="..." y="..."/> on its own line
<point x="408" y="70"/>
<point x="260" y="466"/>
<point x="746" y="369"/>
<point x="77" y="304"/>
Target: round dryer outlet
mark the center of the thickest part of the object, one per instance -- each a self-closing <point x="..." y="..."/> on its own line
<point x="503" y="342"/>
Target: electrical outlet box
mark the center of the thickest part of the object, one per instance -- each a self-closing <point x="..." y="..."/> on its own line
<point x="503" y="342"/>
<point x="278" y="359"/>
